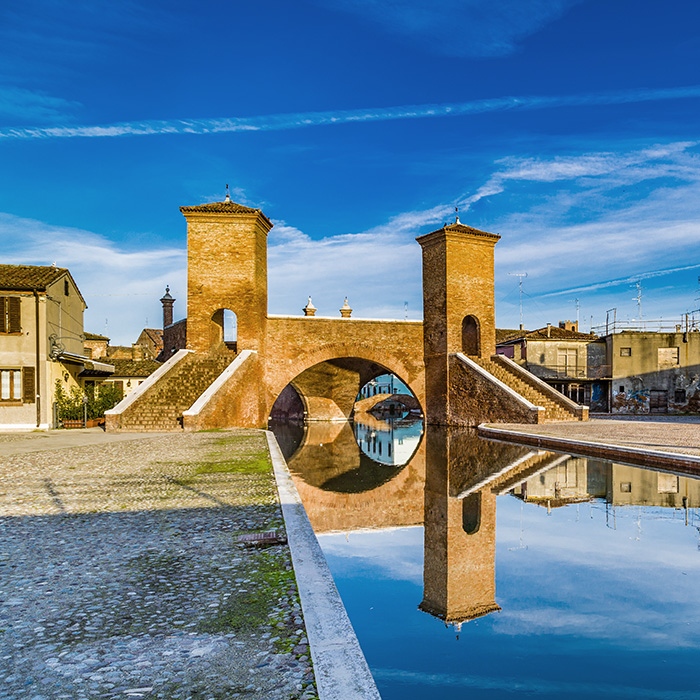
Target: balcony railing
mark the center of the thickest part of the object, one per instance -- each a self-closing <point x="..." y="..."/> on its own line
<point x="548" y="371"/>
<point x="690" y="324"/>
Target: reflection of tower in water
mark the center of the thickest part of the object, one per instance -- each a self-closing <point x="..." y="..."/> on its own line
<point x="464" y="476"/>
<point x="460" y="536"/>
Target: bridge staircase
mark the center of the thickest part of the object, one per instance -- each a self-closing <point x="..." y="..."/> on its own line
<point x="557" y="407"/>
<point x="161" y="405"/>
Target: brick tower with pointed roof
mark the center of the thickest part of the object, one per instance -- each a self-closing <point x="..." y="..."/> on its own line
<point x="458" y="305"/>
<point x="226" y="269"/>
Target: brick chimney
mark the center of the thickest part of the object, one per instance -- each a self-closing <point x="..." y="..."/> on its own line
<point x="167" y="302"/>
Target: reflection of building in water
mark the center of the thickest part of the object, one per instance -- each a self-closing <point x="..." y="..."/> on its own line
<point x="464" y="476"/>
<point x="565" y="483"/>
<point x="344" y="490"/>
<point x="632" y="486"/>
<point x="584" y="479"/>
<point x="388" y="441"/>
<point x="383" y="384"/>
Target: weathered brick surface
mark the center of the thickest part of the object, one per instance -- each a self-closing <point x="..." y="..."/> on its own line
<point x="473" y="399"/>
<point x="161" y="407"/>
<point x="226" y="269"/>
<point x="238" y="397"/>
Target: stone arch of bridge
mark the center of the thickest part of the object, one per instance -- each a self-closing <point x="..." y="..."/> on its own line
<point x="327" y="379"/>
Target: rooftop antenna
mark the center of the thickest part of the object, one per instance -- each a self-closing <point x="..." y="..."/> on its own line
<point x="638" y="299"/>
<point x="578" y="308"/>
<point x="520" y="276"/>
<point x="405" y="311"/>
<point x="227" y="198"/>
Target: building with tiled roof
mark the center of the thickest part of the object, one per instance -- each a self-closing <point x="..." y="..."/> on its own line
<point x="151" y="340"/>
<point x="574" y="363"/>
<point x="41" y="343"/>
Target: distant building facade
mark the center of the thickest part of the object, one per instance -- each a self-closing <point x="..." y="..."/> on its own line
<point x="654" y="372"/>
<point x="573" y="363"/>
<point x="41" y="343"/>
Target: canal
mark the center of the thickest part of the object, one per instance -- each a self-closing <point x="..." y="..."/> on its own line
<point x="473" y="568"/>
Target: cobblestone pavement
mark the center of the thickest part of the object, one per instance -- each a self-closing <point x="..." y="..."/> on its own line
<point x="120" y="575"/>
<point x="665" y="433"/>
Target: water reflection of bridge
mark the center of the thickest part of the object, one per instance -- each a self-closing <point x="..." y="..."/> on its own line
<point x="450" y="486"/>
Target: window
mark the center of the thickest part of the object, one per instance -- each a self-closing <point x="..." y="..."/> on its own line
<point x="626" y="487"/>
<point x="622" y="388"/>
<point x="18" y="384"/>
<point x="625" y="352"/>
<point x="10" y="316"/>
<point x="668" y="357"/>
<point x="667" y="483"/>
<point x="679" y="396"/>
<point x="567" y="362"/>
<point x="66" y="288"/>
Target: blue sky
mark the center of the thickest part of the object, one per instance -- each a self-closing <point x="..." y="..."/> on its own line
<point x="570" y="127"/>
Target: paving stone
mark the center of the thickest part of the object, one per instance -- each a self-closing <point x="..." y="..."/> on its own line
<point x="124" y="579"/>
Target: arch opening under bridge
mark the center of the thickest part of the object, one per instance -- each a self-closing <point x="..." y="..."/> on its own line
<point x="328" y="390"/>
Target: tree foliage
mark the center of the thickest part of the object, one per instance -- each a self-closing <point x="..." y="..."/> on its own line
<point x="71" y="404"/>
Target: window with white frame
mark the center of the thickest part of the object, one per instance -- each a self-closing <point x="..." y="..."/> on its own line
<point x="10" y="385"/>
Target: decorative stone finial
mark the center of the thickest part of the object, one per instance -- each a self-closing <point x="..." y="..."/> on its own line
<point x="457" y="221"/>
<point x="227" y="198"/>
<point x="345" y="311"/>
<point x="309" y="309"/>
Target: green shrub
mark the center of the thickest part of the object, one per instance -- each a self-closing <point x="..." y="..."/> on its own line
<point x="71" y="404"/>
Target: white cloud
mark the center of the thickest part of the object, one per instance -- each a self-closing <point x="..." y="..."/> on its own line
<point x="283" y="122"/>
<point x="577" y="220"/>
<point x="573" y="232"/>
<point x="121" y="287"/>
<point x="378" y="269"/>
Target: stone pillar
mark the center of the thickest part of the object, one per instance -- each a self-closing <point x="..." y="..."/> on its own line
<point x="226" y="269"/>
<point x="309" y="309"/>
<point x="345" y="310"/>
<point x="458" y="306"/>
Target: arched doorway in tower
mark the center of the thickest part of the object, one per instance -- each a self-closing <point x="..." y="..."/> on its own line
<point x="471" y="513"/>
<point x="471" y="344"/>
<point x="225" y="329"/>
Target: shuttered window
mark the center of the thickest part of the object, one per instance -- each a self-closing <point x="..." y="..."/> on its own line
<point x="10" y="385"/>
<point x="10" y="315"/>
<point x="28" y="385"/>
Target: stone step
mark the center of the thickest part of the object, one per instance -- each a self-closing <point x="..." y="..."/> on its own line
<point x="162" y="407"/>
<point x="553" y="410"/>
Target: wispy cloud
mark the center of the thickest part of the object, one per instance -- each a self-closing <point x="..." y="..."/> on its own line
<point x="378" y="269"/>
<point x="559" y="232"/>
<point x="627" y="281"/>
<point x="458" y="27"/>
<point x="300" y="120"/>
<point x="20" y="103"/>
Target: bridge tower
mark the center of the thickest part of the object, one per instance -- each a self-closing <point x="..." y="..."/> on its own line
<point x="226" y="269"/>
<point x="458" y="306"/>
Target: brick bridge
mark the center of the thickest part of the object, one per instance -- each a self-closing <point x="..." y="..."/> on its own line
<point x="315" y="365"/>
